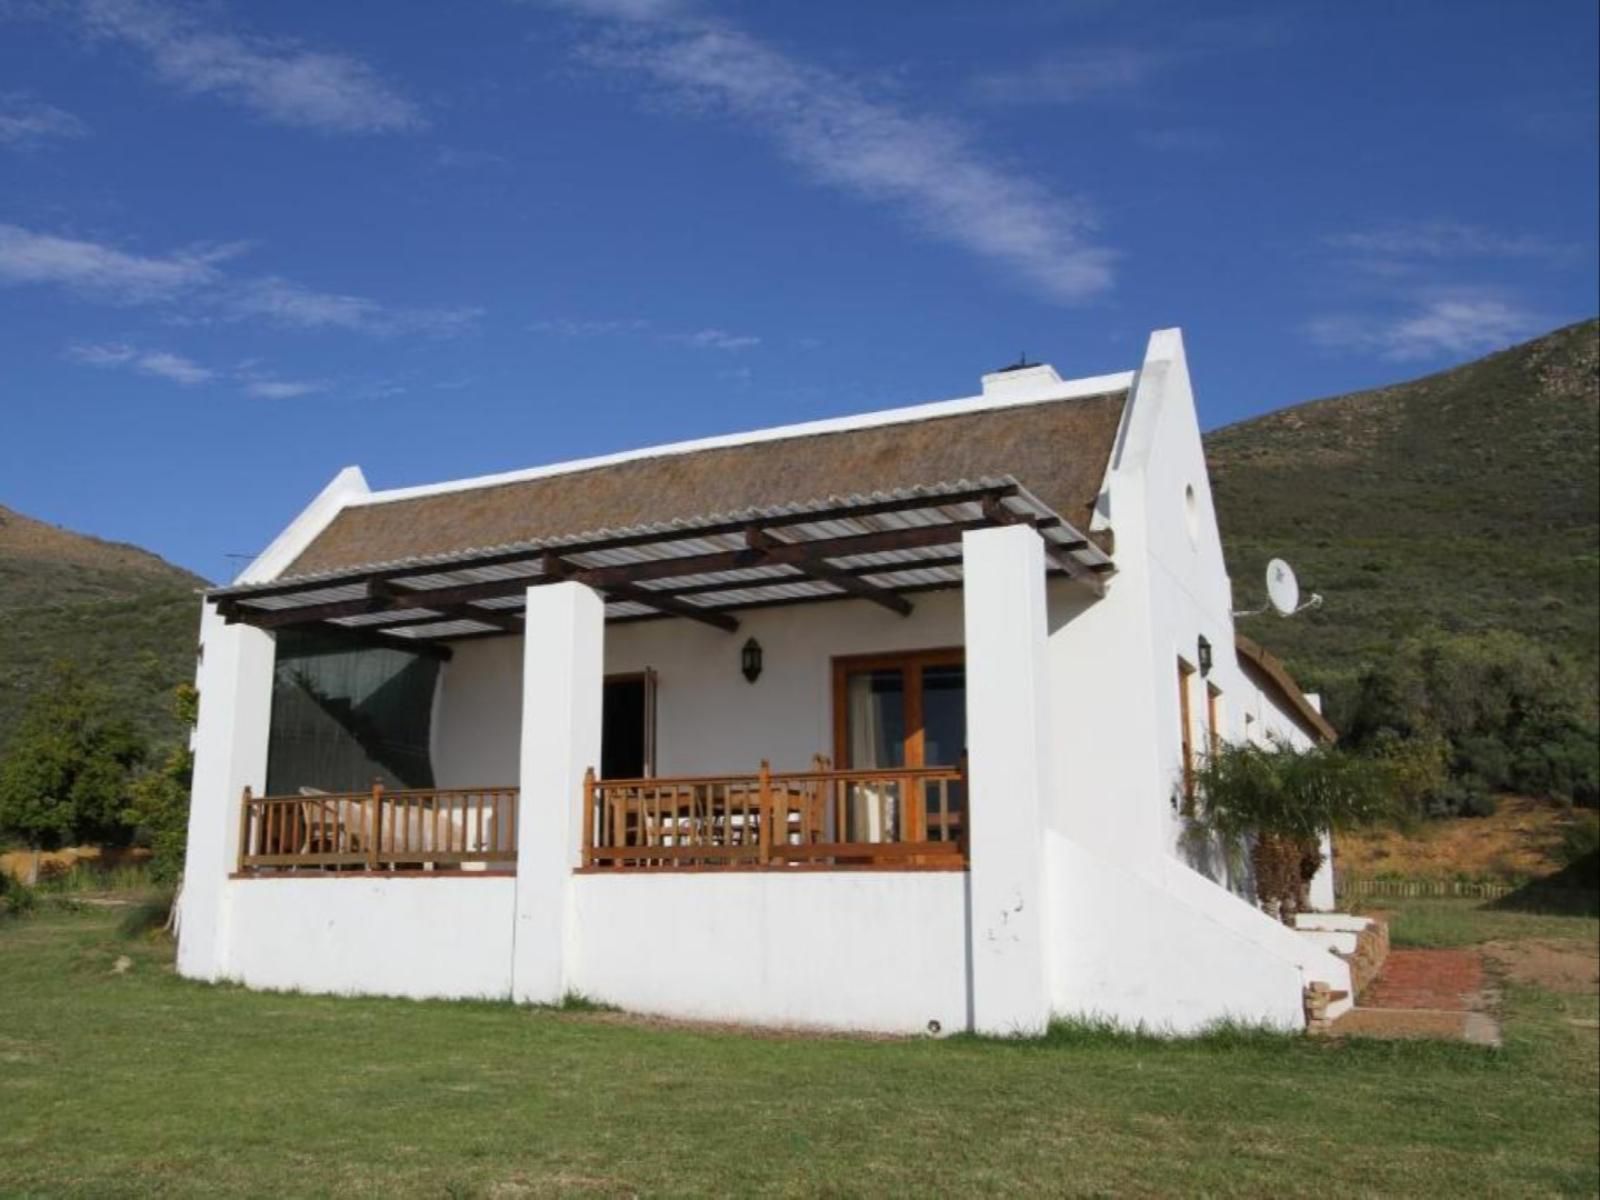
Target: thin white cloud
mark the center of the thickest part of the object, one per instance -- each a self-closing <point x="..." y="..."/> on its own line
<point x="104" y="354"/>
<point x="1387" y="248"/>
<point x="1069" y="76"/>
<point x="26" y="123"/>
<point x="283" y="389"/>
<point x="930" y="171"/>
<point x="708" y="338"/>
<point x="1447" y="324"/>
<point x="175" y="368"/>
<point x="286" y="303"/>
<point x="715" y="339"/>
<point x="457" y="158"/>
<point x="97" y="270"/>
<point x="276" y="78"/>
<point x="583" y="329"/>
<point x="158" y="363"/>
<point x="193" y="284"/>
<point x="1123" y="72"/>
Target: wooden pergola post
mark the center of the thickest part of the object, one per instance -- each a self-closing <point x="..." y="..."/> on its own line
<point x="765" y="806"/>
<point x="374" y="823"/>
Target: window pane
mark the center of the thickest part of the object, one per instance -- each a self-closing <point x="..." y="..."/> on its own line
<point x="944" y="738"/>
<point x="944" y="715"/>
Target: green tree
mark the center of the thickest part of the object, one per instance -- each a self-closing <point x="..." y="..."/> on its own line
<point x="160" y="806"/>
<point x="67" y="773"/>
<point x="1513" y="714"/>
<point x="1279" y="801"/>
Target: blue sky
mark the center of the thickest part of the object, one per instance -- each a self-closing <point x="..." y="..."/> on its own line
<point x="242" y="246"/>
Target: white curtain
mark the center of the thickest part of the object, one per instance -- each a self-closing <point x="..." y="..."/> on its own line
<point x="869" y="747"/>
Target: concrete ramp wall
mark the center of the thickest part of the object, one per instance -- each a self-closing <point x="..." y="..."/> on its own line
<point x="1169" y="950"/>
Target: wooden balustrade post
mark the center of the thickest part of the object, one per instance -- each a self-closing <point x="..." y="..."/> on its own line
<point x="966" y="810"/>
<point x="374" y="823"/>
<point x="589" y="810"/>
<point x="244" y="826"/>
<point x="916" y="809"/>
<point x="765" y="806"/>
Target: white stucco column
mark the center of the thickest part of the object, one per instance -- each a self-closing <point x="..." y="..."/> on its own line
<point x="563" y="664"/>
<point x="1008" y="749"/>
<point x="230" y="753"/>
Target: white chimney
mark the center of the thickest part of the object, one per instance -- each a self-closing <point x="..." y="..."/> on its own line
<point x="1032" y="379"/>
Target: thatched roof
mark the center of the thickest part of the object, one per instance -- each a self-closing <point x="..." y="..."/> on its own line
<point x="1270" y="673"/>
<point x="1059" y="449"/>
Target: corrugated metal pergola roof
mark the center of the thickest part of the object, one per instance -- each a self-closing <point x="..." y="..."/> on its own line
<point x="877" y="546"/>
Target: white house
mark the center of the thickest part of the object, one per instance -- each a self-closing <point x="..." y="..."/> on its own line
<point x="874" y="723"/>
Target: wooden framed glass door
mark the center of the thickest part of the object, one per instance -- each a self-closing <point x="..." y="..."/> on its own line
<point x="901" y="710"/>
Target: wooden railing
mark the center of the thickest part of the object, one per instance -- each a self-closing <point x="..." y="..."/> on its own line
<point x="911" y="817"/>
<point x="379" y="830"/>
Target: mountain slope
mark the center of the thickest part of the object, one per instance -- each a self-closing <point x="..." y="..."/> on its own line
<point x="129" y="617"/>
<point x="1465" y="500"/>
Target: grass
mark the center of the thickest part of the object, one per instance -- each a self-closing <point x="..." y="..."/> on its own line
<point x="132" y="1082"/>
<point x="1440" y="924"/>
<point x="87" y="878"/>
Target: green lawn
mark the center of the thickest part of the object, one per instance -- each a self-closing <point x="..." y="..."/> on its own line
<point x="1446" y="923"/>
<point x="139" y="1082"/>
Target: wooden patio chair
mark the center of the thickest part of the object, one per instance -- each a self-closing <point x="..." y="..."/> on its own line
<point x="330" y="825"/>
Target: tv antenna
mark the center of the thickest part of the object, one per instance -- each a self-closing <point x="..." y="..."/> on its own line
<point x="1283" y="593"/>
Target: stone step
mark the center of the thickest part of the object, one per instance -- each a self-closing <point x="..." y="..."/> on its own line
<point x="1332" y="922"/>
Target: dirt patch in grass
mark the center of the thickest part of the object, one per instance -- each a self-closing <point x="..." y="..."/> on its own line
<point x="779" y="1033"/>
<point x="1403" y="1023"/>
<point x="1559" y="966"/>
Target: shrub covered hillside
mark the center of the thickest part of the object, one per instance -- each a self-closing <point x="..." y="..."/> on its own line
<point x="128" y="618"/>
<point x="1462" y="502"/>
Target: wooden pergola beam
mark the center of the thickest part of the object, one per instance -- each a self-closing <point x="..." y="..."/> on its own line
<point x="916" y="564"/>
<point x="999" y="514"/>
<point x="511" y="622"/>
<point x="794" y="554"/>
<point x="370" y="601"/>
<point x="817" y="567"/>
<point x="389" y="593"/>
<point x="375" y="639"/>
<point x="626" y="540"/>
<point x="558" y="568"/>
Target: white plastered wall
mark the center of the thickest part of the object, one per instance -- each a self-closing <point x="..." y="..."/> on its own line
<point x="1140" y="955"/>
<point x="1140" y="936"/>
<point x="234" y="680"/>
<point x="709" y="719"/>
<point x="446" y="938"/>
<point x="881" y="951"/>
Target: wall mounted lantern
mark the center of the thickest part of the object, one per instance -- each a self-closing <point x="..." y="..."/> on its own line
<point x="1204" y="651"/>
<point x="750" y="660"/>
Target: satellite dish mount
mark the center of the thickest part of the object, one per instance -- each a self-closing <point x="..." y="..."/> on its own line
<point x="1283" y="593"/>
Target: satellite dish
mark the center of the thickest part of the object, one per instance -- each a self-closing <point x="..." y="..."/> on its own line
<point x="1283" y="593"/>
<point x="1283" y="589"/>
